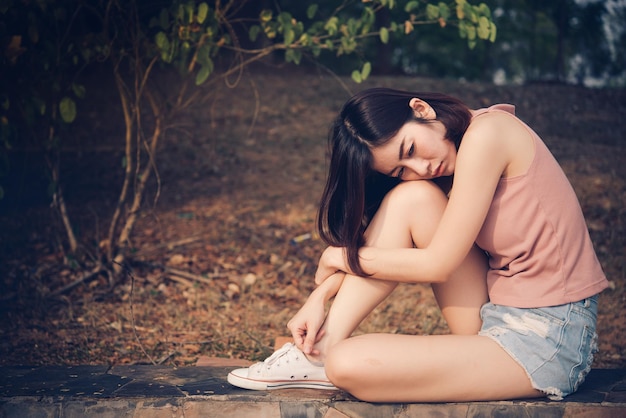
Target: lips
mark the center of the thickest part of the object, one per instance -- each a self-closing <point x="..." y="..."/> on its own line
<point x="438" y="170"/>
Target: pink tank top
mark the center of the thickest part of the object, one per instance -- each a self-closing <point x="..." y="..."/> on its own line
<point x="540" y="252"/>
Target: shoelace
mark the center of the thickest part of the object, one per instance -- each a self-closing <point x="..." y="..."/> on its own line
<point x="280" y="353"/>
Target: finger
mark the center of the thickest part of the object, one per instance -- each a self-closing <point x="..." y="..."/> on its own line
<point x="309" y="342"/>
<point x="314" y="353"/>
<point x="298" y="340"/>
<point x="298" y="337"/>
<point x="319" y="278"/>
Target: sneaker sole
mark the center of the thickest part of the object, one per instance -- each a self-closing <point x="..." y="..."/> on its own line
<point x="251" y="384"/>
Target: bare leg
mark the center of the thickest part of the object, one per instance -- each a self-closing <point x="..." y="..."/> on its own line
<point x="397" y="368"/>
<point x="408" y="217"/>
<point x="435" y="368"/>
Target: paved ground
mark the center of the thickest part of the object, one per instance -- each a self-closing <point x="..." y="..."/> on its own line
<point x="158" y="391"/>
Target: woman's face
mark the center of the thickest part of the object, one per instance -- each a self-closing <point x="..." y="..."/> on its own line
<point x="419" y="151"/>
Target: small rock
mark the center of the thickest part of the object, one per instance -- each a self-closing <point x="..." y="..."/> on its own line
<point x="250" y="279"/>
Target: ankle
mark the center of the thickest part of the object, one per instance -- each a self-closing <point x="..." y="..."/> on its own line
<point x="315" y="359"/>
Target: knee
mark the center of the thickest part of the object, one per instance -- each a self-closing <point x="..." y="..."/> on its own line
<point x="340" y="366"/>
<point x="410" y="194"/>
<point x="349" y="369"/>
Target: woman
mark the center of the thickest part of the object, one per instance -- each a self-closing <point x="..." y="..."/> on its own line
<point x="495" y="227"/>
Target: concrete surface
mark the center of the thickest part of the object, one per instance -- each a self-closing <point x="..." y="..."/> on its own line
<point x="147" y="391"/>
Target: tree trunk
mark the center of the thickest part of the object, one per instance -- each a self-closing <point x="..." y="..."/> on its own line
<point x="58" y="200"/>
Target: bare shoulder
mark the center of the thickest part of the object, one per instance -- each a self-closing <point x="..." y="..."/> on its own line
<point x="495" y="124"/>
<point x="505" y="135"/>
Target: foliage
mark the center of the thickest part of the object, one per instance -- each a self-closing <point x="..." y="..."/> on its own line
<point x="48" y="43"/>
<point x="43" y="54"/>
<point x="560" y="41"/>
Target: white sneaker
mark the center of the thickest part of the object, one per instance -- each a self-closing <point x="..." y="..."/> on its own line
<point x="287" y="368"/>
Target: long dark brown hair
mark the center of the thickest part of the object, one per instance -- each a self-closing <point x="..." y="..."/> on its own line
<point x="353" y="189"/>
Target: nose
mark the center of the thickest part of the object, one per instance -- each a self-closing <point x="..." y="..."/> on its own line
<point x="417" y="169"/>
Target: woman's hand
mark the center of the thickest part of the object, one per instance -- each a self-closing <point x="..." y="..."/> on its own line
<point x="305" y="325"/>
<point x="332" y="260"/>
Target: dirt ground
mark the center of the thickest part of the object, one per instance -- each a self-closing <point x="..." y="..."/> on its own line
<point x="215" y="268"/>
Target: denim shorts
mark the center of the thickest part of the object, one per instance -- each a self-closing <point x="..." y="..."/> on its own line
<point x="554" y="345"/>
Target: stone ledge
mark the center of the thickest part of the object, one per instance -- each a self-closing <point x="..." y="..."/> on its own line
<point x="160" y="391"/>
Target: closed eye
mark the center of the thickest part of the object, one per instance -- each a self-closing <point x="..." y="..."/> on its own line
<point x="409" y="153"/>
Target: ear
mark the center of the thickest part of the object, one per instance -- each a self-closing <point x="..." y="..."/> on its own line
<point x="422" y="109"/>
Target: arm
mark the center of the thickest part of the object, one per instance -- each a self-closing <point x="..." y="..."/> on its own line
<point x="484" y="157"/>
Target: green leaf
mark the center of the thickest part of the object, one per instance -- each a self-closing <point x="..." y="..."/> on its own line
<point x="209" y="64"/>
<point x="253" y="32"/>
<point x="462" y="30"/>
<point x="366" y="70"/>
<point x="265" y="16"/>
<point x="483" y="27"/>
<point x="353" y="26"/>
<point x="203" y="11"/>
<point x="289" y="36"/>
<point x="471" y="32"/>
<point x="67" y="108"/>
<point x="190" y="12"/>
<point x="384" y="35"/>
<point x="204" y="55"/>
<point x="270" y="30"/>
<point x="411" y="5"/>
<point x="432" y="12"/>
<point x="79" y="90"/>
<point x="311" y="10"/>
<point x="332" y="26"/>
<point x="444" y="11"/>
<point x="293" y="55"/>
<point x="162" y="42"/>
<point x="305" y="39"/>
<point x="356" y="76"/>
<point x="348" y="45"/>
<point x="492" y="32"/>
<point x="368" y="18"/>
<point x="472" y="12"/>
<point x="202" y="75"/>
<point x="285" y="19"/>
<point x="460" y="9"/>
<point x="484" y="10"/>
